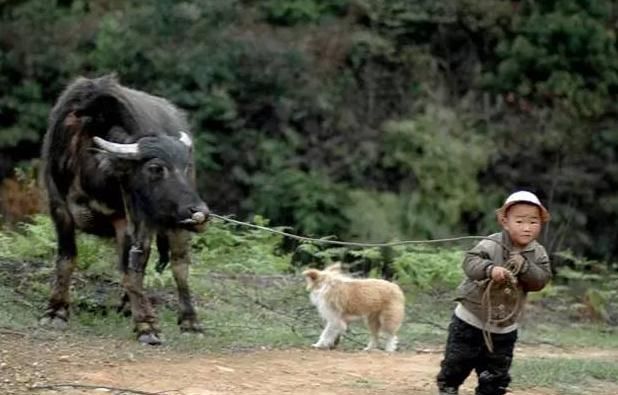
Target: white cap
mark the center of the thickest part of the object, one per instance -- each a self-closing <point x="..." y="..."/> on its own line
<point x="523" y="197"/>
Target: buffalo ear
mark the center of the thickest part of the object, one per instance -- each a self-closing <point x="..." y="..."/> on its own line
<point x="112" y="166"/>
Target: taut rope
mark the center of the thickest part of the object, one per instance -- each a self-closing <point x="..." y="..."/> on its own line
<point x="351" y="243"/>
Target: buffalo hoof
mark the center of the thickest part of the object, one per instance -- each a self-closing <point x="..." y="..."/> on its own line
<point x="191" y="327"/>
<point x="56" y="323"/>
<point x="321" y="346"/>
<point x="149" y="339"/>
<point x="193" y="333"/>
<point x="124" y="311"/>
<point x="124" y="308"/>
<point x="55" y="319"/>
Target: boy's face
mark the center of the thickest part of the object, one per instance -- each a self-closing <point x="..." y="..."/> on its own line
<point x="523" y="223"/>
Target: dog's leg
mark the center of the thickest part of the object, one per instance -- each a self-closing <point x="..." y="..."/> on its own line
<point x="390" y="321"/>
<point x="391" y="343"/>
<point x="330" y="334"/>
<point x="373" y="323"/>
<point x="335" y="326"/>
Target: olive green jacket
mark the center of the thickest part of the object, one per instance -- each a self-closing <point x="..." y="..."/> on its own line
<point x="506" y="305"/>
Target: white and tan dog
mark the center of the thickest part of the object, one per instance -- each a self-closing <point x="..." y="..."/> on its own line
<point x="341" y="299"/>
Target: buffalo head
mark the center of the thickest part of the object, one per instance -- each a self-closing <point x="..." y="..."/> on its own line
<point x="156" y="176"/>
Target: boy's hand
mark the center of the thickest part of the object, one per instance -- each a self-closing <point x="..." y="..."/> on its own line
<point x="516" y="262"/>
<point x="499" y="274"/>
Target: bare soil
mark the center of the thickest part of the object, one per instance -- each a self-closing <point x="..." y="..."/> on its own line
<point x="36" y="363"/>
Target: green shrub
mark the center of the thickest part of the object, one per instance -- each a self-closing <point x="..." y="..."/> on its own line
<point x="310" y="200"/>
<point x="31" y="240"/>
<point x="292" y="12"/>
<point x="590" y="288"/>
<point x="560" y="52"/>
<point x="430" y="269"/>
<point x="229" y="248"/>
<point x="441" y="157"/>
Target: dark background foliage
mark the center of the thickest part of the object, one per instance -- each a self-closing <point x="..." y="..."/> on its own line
<point x="365" y="119"/>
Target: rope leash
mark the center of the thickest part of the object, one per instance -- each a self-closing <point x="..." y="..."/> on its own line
<point x="351" y="243"/>
<point x="485" y="298"/>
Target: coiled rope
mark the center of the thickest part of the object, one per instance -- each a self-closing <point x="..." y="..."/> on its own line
<point x="511" y="286"/>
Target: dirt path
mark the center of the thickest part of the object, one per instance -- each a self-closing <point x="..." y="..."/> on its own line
<point x="44" y="359"/>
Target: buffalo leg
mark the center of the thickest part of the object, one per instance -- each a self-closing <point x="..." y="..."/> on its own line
<point x="163" y="246"/>
<point x="57" y="312"/>
<point x="133" y="282"/>
<point x="179" y="242"/>
<point x="123" y="243"/>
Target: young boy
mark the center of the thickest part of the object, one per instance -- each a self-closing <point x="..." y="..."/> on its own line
<point x="499" y="274"/>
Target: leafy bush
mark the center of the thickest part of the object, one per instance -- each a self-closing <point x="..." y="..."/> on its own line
<point x="32" y="240"/>
<point x="292" y="12"/>
<point x="561" y="52"/>
<point x="430" y="269"/>
<point x="226" y="247"/>
<point x="591" y="288"/>
<point x="37" y="240"/>
<point x="30" y="73"/>
<point x="310" y="200"/>
<point x="375" y="104"/>
<point x="20" y="196"/>
<point x="440" y="157"/>
<point x="374" y="216"/>
<point x="421" y="268"/>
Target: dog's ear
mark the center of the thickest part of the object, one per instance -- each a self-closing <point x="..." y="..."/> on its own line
<point x="335" y="267"/>
<point x="311" y="275"/>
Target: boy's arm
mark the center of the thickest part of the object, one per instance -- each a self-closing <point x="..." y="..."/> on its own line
<point x="477" y="262"/>
<point x="536" y="274"/>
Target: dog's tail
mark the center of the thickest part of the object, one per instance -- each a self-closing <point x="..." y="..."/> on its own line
<point x="393" y="314"/>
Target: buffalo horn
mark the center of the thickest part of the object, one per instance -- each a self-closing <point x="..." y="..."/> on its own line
<point x="185" y="139"/>
<point x="117" y="148"/>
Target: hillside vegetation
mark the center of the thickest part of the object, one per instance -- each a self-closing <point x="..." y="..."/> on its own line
<point x="366" y="119"/>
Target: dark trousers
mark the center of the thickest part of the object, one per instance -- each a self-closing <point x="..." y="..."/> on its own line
<point x="466" y="350"/>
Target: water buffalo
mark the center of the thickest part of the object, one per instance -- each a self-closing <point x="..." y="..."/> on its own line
<point x="118" y="162"/>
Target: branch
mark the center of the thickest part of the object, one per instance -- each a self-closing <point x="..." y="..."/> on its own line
<point x="92" y="386"/>
<point x="5" y="331"/>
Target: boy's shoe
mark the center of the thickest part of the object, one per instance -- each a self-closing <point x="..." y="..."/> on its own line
<point x="448" y="391"/>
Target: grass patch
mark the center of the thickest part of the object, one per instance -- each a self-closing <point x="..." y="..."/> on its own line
<point x="16" y="313"/>
<point x="248" y="311"/>
<point x="249" y="295"/>
<point x="567" y="375"/>
<point x="245" y="312"/>
<point x="363" y="383"/>
<point x="237" y="313"/>
<point x="580" y="335"/>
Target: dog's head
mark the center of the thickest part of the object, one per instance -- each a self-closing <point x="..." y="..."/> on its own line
<point x="315" y="278"/>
